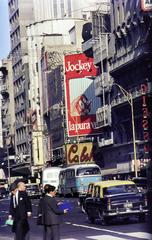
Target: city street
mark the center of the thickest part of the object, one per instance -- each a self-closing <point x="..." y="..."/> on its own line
<point x="77" y="227"/>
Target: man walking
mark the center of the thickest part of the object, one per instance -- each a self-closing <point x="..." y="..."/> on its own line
<point x="50" y="212"/>
<point x="20" y="210"/>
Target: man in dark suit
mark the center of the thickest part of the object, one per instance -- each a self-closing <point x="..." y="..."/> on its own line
<point x="51" y="212"/>
<point x="20" y="210"/>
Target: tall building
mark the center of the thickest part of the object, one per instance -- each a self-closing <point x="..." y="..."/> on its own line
<point x="25" y="13"/>
<point x="7" y="111"/>
<point x="122" y="53"/>
<point x="20" y="15"/>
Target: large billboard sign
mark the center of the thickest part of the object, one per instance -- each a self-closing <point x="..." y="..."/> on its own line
<point x="81" y="103"/>
<point x="146" y="5"/>
<point x="81" y="153"/>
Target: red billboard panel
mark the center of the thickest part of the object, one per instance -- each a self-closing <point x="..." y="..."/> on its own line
<point x="81" y="103"/>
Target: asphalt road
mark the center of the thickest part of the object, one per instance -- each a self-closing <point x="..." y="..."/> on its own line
<point x="77" y="227"/>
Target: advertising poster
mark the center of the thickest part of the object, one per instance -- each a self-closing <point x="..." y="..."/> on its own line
<point x="81" y="103"/>
<point x="81" y="153"/>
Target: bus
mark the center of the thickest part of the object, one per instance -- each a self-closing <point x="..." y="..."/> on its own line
<point x="50" y="175"/>
<point x="74" y="180"/>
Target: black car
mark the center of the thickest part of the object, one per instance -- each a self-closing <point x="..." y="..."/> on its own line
<point x="115" y="199"/>
<point x="3" y="192"/>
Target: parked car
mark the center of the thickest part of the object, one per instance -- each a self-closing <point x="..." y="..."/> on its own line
<point x="33" y="190"/>
<point x="3" y="192"/>
<point x="141" y="183"/>
<point x="113" y="199"/>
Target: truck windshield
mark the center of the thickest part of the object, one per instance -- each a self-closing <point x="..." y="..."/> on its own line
<point x="88" y="171"/>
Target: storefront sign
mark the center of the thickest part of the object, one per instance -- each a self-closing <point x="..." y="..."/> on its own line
<point x="145" y="114"/>
<point x="79" y="153"/>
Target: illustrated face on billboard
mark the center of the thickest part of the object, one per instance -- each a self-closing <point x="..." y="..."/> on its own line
<point x="81" y="103"/>
<point x="146" y="5"/>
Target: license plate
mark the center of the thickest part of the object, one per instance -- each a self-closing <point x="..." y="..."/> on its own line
<point x="128" y="205"/>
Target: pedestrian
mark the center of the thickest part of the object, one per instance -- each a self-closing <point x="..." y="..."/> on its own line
<point x="50" y="212"/>
<point x="20" y="210"/>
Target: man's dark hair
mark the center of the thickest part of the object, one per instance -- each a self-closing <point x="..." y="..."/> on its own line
<point x="49" y="188"/>
<point x="12" y="187"/>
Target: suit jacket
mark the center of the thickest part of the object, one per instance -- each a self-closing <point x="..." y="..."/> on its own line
<point x="24" y="206"/>
<point x="50" y="211"/>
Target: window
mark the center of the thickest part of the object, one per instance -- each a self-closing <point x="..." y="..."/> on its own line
<point x="62" y="8"/>
<point x="69" y="8"/>
<point x="97" y="192"/>
<point x="55" y="8"/>
<point x="88" y="171"/>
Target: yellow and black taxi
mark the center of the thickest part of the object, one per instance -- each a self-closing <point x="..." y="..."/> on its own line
<point x="115" y="198"/>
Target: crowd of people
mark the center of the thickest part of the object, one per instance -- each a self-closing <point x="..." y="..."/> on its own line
<point x="21" y="209"/>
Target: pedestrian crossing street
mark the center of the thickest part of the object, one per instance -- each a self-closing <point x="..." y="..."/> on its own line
<point x="125" y="236"/>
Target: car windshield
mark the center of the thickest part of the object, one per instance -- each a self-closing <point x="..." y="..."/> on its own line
<point x="88" y="171"/>
<point x="120" y="189"/>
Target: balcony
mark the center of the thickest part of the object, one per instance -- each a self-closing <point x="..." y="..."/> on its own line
<point x="87" y="47"/>
<point x="102" y="84"/>
<point x="135" y="92"/>
<point x="100" y="49"/>
<point x="102" y="142"/>
<point x="103" y="116"/>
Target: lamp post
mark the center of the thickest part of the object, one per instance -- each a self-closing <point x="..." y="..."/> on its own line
<point x="130" y="101"/>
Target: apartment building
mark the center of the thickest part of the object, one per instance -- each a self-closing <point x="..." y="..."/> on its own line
<point x="123" y="85"/>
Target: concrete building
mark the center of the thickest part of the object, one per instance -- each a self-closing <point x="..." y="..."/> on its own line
<point x="7" y="112"/>
<point x="20" y="14"/>
<point x="62" y="9"/>
<point x="124" y="86"/>
<point x="59" y="36"/>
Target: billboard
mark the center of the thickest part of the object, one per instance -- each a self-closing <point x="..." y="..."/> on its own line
<point x="81" y="102"/>
<point x="146" y="5"/>
<point x="81" y="153"/>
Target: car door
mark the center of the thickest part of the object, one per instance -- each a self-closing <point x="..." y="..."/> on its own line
<point x="95" y="201"/>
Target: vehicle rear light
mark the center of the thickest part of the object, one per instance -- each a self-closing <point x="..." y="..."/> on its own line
<point x="108" y="204"/>
<point x="146" y="202"/>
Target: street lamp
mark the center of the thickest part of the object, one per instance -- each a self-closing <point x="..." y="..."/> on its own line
<point x="129" y="97"/>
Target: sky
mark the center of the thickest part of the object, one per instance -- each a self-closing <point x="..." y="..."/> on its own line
<point x="4" y="29"/>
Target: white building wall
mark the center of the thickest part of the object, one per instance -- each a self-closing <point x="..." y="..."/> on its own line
<point x="40" y="34"/>
<point x="51" y="9"/>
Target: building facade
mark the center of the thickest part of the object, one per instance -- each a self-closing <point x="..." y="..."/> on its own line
<point x="124" y="86"/>
<point x="7" y="110"/>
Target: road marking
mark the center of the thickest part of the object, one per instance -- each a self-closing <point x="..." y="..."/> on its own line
<point x="141" y="235"/>
<point x="69" y="239"/>
<point x="107" y="237"/>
